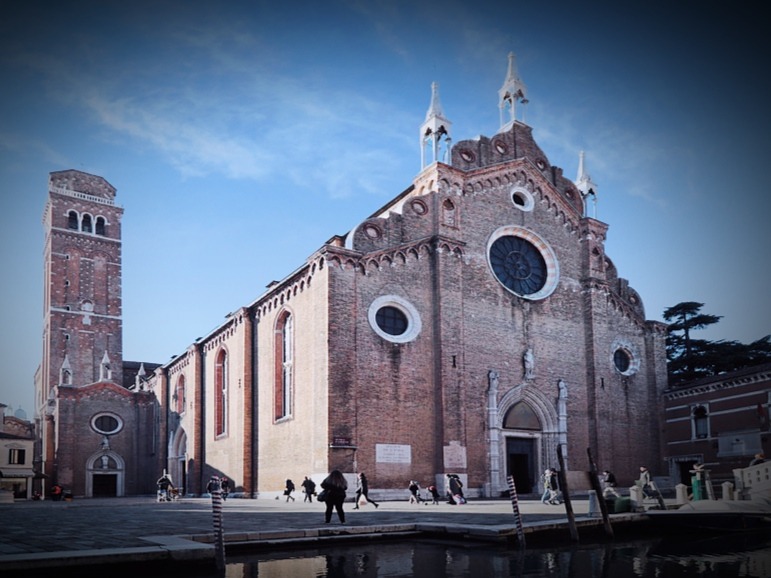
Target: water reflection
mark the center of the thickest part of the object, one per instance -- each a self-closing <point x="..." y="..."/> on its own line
<point x="747" y="556"/>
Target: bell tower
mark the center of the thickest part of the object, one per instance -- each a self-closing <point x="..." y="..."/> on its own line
<point x="82" y="309"/>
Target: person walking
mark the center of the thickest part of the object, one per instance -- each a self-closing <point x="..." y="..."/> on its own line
<point x="362" y="489"/>
<point x="434" y="495"/>
<point x="214" y="485"/>
<point x="335" y="486"/>
<point x="225" y="486"/>
<point x="546" y="479"/>
<point x="554" y="488"/>
<point x="609" y="484"/>
<point x="309" y="487"/>
<point x="288" y="490"/>
<point x="414" y="488"/>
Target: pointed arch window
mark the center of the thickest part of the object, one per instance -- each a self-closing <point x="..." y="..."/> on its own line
<point x="72" y="220"/>
<point x="85" y="225"/>
<point x="221" y="393"/>
<point x="449" y="213"/>
<point x="284" y="365"/>
<point x="179" y="395"/>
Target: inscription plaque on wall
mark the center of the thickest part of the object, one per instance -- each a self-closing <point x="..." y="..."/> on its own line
<point x="393" y="454"/>
<point x="454" y="456"/>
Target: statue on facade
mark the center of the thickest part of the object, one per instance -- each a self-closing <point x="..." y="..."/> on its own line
<point x="528" y="359"/>
<point x="492" y="380"/>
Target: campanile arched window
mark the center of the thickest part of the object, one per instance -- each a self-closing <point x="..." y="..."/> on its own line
<point x="221" y="393"/>
<point x="284" y="365"/>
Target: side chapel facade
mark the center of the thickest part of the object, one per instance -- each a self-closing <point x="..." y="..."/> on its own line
<point x="471" y="325"/>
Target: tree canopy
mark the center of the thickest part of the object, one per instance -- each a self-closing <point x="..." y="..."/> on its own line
<point x="689" y="358"/>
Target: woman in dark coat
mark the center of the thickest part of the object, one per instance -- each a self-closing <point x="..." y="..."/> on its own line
<point x="335" y="485"/>
<point x="362" y="489"/>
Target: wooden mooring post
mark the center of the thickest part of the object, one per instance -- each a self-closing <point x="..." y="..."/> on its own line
<point x="563" y="480"/>
<point x="595" y="481"/>
<point x="517" y="514"/>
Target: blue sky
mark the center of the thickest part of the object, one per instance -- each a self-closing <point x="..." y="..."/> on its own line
<point x="243" y="135"/>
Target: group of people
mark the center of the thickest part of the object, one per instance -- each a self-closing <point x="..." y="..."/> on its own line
<point x="553" y="495"/>
<point x="165" y="489"/>
<point x="551" y="489"/>
<point x="222" y="484"/>
<point x="432" y="491"/>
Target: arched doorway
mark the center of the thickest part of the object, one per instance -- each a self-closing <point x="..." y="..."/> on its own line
<point x="524" y="438"/>
<point x="178" y="460"/>
<point x="522" y="429"/>
<point x="105" y="473"/>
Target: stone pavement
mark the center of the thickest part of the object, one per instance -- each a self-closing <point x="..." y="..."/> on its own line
<point x="100" y="531"/>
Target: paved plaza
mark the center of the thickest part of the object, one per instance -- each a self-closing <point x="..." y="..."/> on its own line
<point x="83" y="532"/>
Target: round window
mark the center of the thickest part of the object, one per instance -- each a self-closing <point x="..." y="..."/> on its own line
<point x="518" y="265"/>
<point x="391" y="320"/>
<point x="621" y="360"/>
<point x="394" y="319"/>
<point x="624" y="357"/>
<point x="522" y="262"/>
<point x="106" y="423"/>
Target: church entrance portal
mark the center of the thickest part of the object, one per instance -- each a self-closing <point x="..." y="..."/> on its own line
<point x="521" y="463"/>
<point x="105" y="485"/>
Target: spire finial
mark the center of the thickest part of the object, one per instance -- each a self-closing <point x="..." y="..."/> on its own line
<point x="586" y="186"/>
<point x="513" y="90"/>
<point x="435" y="128"/>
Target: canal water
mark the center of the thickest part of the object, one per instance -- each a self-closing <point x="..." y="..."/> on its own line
<point x="745" y="556"/>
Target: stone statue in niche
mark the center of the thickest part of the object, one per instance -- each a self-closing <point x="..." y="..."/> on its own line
<point x="528" y="359"/>
<point x="563" y="389"/>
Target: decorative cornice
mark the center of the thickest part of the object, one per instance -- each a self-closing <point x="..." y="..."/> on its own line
<point x="81" y="196"/>
<point x="720" y="384"/>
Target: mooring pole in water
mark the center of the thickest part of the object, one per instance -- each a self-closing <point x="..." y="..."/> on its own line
<point x="563" y="479"/>
<point x="517" y="514"/>
<point x="219" y="535"/>
<point x="597" y="487"/>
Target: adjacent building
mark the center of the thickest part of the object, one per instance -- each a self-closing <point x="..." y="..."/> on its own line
<point x="17" y="441"/>
<point x="720" y="421"/>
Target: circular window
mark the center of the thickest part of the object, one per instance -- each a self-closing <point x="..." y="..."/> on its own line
<point x="372" y="231"/>
<point x="523" y="263"/>
<point x="501" y="147"/>
<point x="624" y="359"/>
<point x="419" y="207"/>
<point x="621" y="360"/>
<point x="391" y="320"/>
<point x="522" y="199"/>
<point x="467" y="155"/>
<point x="106" y="423"/>
<point x="394" y="319"/>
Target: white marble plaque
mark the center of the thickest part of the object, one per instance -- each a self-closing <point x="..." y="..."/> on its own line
<point x="393" y="454"/>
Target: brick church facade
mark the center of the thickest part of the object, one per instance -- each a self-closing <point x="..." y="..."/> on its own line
<point x="471" y="325"/>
